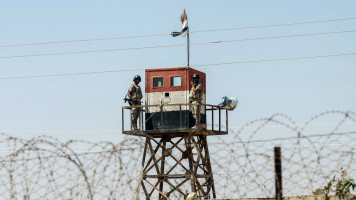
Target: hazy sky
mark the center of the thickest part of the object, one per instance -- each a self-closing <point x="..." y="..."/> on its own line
<point x="297" y="88"/>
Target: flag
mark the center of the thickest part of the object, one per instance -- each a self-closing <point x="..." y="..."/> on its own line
<point x="184" y="20"/>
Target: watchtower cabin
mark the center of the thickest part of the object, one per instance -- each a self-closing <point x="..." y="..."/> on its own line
<point x="176" y="155"/>
<point x="171" y="86"/>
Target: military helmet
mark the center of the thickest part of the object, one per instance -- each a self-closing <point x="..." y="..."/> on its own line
<point x="137" y="77"/>
<point x="196" y="76"/>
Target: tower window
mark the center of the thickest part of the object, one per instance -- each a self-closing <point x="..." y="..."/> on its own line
<point x="176" y="81"/>
<point x="158" y="82"/>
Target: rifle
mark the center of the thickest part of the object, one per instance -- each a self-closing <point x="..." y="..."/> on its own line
<point x="126" y="99"/>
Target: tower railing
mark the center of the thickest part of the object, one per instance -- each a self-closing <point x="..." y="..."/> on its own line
<point x="215" y="122"/>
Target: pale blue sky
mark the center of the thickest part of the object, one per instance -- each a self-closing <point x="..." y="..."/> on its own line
<point x="298" y="88"/>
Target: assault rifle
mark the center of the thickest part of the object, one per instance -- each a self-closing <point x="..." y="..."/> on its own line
<point x="126" y="99"/>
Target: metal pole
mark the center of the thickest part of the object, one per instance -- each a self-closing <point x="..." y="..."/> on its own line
<point x="206" y="119"/>
<point x="122" y="120"/>
<point x="140" y="182"/>
<point x="180" y="116"/>
<point x="188" y="45"/>
<point x="210" y="170"/>
<point x="140" y="119"/>
<point x="161" y="179"/>
<point x="219" y="119"/>
<point x="161" y="116"/>
<point x="278" y="172"/>
<point x="212" y="118"/>
<point x="227" y="120"/>
<point x="188" y="146"/>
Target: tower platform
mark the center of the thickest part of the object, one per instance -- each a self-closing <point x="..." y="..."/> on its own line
<point x="180" y="132"/>
<point x="176" y="123"/>
<point x="176" y="158"/>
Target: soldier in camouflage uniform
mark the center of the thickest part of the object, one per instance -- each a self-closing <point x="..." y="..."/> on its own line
<point x="195" y="97"/>
<point x="135" y="94"/>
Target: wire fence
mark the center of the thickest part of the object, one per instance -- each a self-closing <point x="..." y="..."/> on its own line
<point x="46" y="168"/>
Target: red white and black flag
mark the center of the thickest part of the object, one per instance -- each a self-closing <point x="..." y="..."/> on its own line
<point x="184" y="20"/>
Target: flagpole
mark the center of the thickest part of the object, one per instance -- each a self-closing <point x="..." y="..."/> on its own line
<point x="188" y="45"/>
<point x="185" y="27"/>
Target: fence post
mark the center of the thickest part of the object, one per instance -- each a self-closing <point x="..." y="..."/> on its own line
<point x="278" y="172"/>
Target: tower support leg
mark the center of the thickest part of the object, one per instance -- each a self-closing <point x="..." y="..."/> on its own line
<point x="173" y="167"/>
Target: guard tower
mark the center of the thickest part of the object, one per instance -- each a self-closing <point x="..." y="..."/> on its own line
<point x="175" y="158"/>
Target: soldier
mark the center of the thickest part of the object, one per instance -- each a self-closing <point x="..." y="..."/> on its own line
<point x="135" y="94"/>
<point x="195" y="96"/>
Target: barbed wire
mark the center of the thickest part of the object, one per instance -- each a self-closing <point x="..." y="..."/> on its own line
<point x="46" y="168"/>
<point x="119" y="130"/>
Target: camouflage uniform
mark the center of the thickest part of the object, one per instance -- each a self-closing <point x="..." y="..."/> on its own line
<point x="136" y="93"/>
<point x="195" y="98"/>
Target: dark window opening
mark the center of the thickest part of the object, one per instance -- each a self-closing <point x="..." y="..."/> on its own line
<point x="176" y="81"/>
<point x="158" y="82"/>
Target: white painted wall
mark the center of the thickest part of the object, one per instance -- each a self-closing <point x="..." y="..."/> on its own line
<point x="158" y="98"/>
